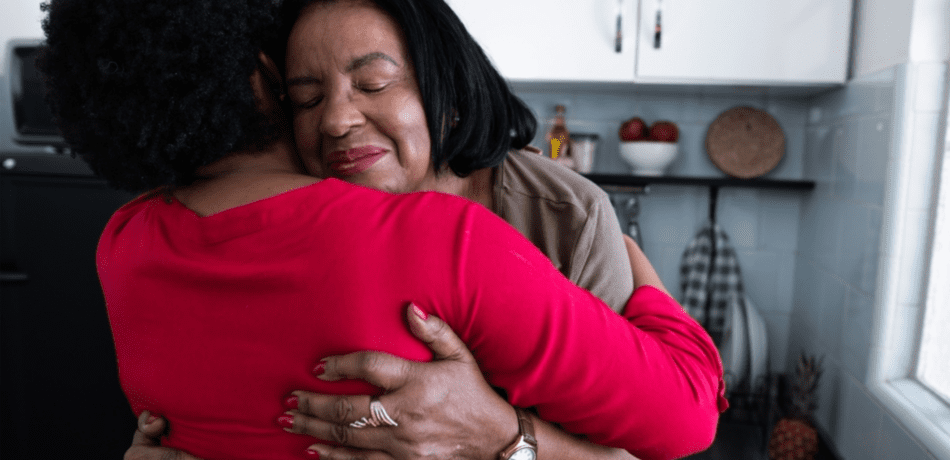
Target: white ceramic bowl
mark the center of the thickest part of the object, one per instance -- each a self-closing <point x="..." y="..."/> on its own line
<point x="648" y="158"/>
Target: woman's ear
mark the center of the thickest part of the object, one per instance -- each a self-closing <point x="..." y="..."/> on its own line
<point x="271" y="74"/>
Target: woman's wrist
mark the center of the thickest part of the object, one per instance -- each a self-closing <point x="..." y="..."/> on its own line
<point x="525" y="445"/>
<point x="556" y="444"/>
<point x="509" y="430"/>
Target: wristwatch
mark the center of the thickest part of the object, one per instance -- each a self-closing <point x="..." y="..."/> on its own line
<point x="526" y="446"/>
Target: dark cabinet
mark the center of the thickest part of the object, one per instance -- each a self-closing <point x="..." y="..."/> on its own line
<point x="59" y="388"/>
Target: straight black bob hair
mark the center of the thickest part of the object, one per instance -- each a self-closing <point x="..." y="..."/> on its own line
<point x="456" y="81"/>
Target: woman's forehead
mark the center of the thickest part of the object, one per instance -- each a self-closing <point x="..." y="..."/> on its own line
<point x="349" y="33"/>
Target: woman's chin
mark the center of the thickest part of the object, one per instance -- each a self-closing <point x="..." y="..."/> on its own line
<point x="375" y="181"/>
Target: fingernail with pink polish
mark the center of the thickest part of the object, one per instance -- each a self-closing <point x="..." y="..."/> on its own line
<point x="285" y="421"/>
<point x="320" y="368"/>
<point x="418" y="311"/>
<point x="291" y="401"/>
<point x="312" y="454"/>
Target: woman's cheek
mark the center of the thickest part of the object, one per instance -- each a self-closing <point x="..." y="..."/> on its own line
<point x="314" y="167"/>
<point x="309" y="151"/>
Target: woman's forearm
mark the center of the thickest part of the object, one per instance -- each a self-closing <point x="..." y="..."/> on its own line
<point x="556" y="444"/>
<point x="643" y="271"/>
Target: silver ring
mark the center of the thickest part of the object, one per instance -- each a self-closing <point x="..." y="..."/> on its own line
<point x="379" y="417"/>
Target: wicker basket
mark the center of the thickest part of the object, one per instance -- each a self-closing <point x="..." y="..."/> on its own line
<point x="745" y="142"/>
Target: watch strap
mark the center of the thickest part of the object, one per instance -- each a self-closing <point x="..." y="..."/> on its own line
<point x="526" y="427"/>
<point x="526" y="438"/>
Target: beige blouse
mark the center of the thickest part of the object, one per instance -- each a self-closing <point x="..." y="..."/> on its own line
<point x="570" y="219"/>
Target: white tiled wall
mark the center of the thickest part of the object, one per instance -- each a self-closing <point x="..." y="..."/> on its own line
<point x="854" y="136"/>
<point x="762" y="225"/>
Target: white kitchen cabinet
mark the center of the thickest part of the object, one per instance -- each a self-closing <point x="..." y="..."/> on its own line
<point x="744" y="41"/>
<point x="781" y="42"/>
<point x="554" y="40"/>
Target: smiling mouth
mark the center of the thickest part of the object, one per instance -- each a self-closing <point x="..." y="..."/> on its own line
<point x="355" y="160"/>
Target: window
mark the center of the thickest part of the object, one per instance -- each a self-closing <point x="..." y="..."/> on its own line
<point x="909" y="374"/>
<point x="933" y="367"/>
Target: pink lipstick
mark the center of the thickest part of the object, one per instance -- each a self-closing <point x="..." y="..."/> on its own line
<point x="355" y="160"/>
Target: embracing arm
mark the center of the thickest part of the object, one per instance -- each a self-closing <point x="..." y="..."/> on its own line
<point x="643" y="272"/>
<point x="445" y="408"/>
<point x="556" y="444"/>
<point x="649" y="382"/>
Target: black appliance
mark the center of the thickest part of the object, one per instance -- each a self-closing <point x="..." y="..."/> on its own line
<point x="59" y="388"/>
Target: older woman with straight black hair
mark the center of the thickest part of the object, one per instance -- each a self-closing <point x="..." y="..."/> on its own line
<point x="457" y="83"/>
<point x="428" y="111"/>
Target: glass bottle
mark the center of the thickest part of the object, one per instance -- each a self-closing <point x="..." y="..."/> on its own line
<point x="558" y="138"/>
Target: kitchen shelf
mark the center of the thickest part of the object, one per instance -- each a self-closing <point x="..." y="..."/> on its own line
<point x="638" y="184"/>
<point x="627" y="180"/>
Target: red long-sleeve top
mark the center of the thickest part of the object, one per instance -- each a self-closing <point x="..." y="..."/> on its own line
<point x="216" y="319"/>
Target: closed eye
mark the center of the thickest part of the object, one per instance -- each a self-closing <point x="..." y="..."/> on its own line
<point x="371" y="88"/>
<point x="304" y="92"/>
<point x="306" y="104"/>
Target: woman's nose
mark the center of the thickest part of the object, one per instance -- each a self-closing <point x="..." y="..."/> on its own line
<point x="340" y="116"/>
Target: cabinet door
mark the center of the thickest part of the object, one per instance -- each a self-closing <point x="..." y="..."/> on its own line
<point x="554" y="39"/>
<point x="59" y="387"/>
<point x="744" y="41"/>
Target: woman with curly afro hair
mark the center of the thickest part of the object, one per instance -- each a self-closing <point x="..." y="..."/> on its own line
<point x="142" y="104"/>
<point x="234" y="274"/>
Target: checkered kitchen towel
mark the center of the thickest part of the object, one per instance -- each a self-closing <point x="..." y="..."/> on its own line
<point x="707" y="293"/>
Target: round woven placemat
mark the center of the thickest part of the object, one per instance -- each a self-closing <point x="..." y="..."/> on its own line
<point x="745" y="142"/>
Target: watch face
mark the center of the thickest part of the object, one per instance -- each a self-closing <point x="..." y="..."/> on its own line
<point x="524" y="453"/>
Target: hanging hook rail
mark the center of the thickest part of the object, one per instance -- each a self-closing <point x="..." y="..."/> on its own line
<point x="627" y="180"/>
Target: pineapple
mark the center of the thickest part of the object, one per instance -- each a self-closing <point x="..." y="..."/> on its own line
<point x="794" y="437"/>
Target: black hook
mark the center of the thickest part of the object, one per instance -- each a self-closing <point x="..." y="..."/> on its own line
<point x="713" y="198"/>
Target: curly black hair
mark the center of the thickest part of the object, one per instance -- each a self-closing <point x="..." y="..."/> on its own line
<point x="147" y="92"/>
